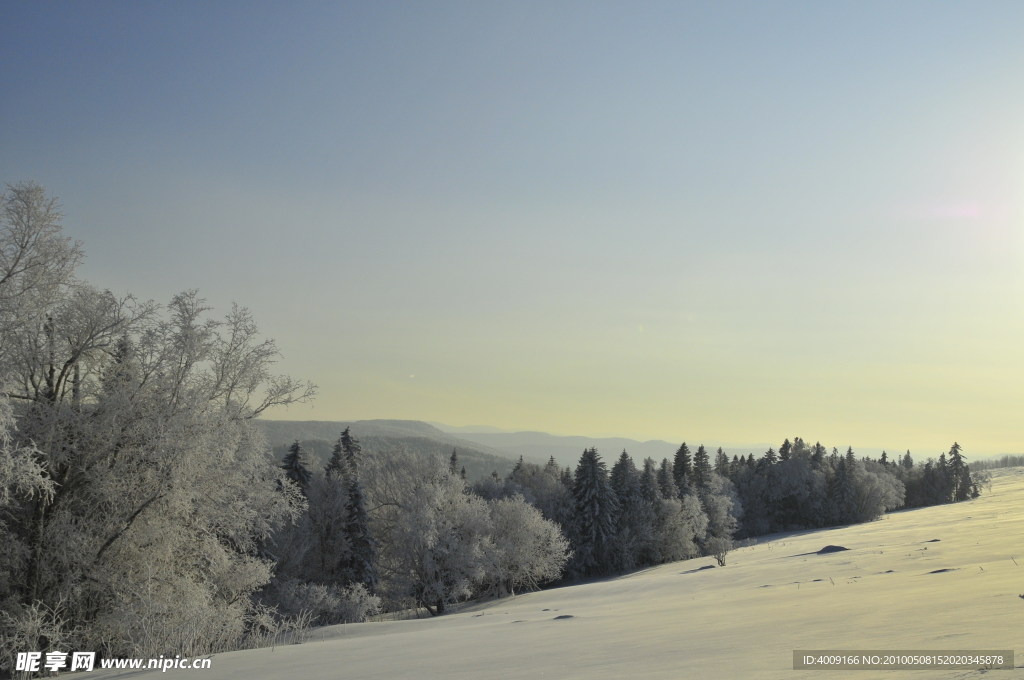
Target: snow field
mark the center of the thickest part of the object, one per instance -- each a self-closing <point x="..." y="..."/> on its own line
<point x="895" y="587"/>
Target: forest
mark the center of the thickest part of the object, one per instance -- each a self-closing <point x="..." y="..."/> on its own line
<point x="141" y="510"/>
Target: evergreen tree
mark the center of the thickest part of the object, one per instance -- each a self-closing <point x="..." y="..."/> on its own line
<point x="666" y="480"/>
<point x="750" y="460"/>
<point x="701" y="469"/>
<point x="624" y="478"/>
<point x="463" y="473"/>
<point x="650" y="488"/>
<point x="818" y="455"/>
<point x="453" y="462"/>
<point x="785" y="450"/>
<point x="596" y="508"/>
<point x="294" y="466"/>
<point x="907" y="461"/>
<point x="352" y="449"/>
<point x="682" y="468"/>
<point x="884" y="460"/>
<point x="635" y="518"/>
<point x="360" y="564"/>
<point x="845" y="492"/>
<point x="336" y="465"/>
<point x="945" y="479"/>
<point x="567" y="478"/>
<point x="722" y="463"/>
<point x="960" y="474"/>
<point x="770" y="457"/>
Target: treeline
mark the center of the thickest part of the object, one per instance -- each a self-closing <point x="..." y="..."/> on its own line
<point x="1006" y="461"/>
<point x="804" y="487"/>
<point x="629" y="516"/>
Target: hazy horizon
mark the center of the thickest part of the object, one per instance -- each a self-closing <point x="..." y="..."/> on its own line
<point x="731" y="222"/>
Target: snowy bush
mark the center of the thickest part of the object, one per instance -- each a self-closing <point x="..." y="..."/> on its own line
<point x="326" y="604"/>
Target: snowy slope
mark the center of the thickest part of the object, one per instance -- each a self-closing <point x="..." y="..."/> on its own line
<point x="741" y="621"/>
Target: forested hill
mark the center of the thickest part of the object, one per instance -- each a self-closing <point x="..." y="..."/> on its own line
<point x="319" y="436"/>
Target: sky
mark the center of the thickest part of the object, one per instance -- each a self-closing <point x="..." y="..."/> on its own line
<point x="733" y="221"/>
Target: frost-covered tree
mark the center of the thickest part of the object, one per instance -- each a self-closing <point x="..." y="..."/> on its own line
<point x="681" y="524"/>
<point x="528" y="550"/>
<point x="433" y="538"/>
<point x="142" y="419"/>
<point x="37" y="263"/>
<point x="21" y="475"/>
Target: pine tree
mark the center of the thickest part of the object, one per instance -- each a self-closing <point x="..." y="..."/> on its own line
<point x="770" y="457"/>
<point x="624" y="479"/>
<point x="352" y="449"/>
<point x="884" y="460"/>
<point x="722" y="463"/>
<point x="944" y="479"/>
<point x="960" y="474"/>
<point x="596" y="507"/>
<point x="784" y="450"/>
<point x="845" y="491"/>
<point x="701" y="469"/>
<point x="907" y="461"/>
<point x="650" y="488"/>
<point x="294" y="466"/>
<point x="682" y="468"/>
<point x="359" y="567"/>
<point x="818" y="455"/>
<point x="567" y="478"/>
<point x="336" y="465"/>
<point x="666" y="480"/>
<point x="453" y="463"/>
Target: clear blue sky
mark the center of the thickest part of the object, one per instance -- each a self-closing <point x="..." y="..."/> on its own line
<point x="733" y="221"/>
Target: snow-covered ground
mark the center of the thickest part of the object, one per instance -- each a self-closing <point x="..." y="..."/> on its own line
<point x="742" y="621"/>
